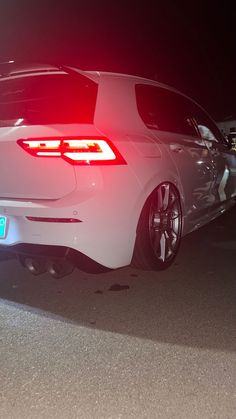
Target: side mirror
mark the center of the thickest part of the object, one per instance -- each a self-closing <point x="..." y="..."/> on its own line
<point x="231" y="138"/>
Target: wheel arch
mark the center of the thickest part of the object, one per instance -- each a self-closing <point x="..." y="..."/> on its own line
<point x="151" y="191"/>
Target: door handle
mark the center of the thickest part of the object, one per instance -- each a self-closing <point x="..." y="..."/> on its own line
<point x="176" y="148"/>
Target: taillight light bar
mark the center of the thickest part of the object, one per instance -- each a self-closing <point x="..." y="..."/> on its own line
<point x="75" y="150"/>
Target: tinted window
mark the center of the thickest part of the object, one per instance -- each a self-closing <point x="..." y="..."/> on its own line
<point x="165" y="110"/>
<point x="207" y="128"/>
<point x="48" y="99"/>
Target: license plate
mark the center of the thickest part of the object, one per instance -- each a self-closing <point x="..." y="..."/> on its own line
<point x="3" y="224"/>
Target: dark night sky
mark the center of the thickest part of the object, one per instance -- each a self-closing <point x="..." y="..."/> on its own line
<point x="190" y="46"/>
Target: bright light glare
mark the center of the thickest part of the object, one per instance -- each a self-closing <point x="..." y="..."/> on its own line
<point x="18" y="122"/>
<point x="43" y="144"/>
<point x="79" y="143"/>
<point x="97" y="150"/>
<point x="49" y="153"/>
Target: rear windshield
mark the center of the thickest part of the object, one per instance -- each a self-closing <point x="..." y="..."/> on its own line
<point x="47" y="99"/>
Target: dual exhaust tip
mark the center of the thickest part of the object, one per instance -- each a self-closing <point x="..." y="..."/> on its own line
<point x="56" y="267"/>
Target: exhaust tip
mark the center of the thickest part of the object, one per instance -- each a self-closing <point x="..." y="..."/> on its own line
<point x="35" y="266"/>
<point x="58" y="268"/>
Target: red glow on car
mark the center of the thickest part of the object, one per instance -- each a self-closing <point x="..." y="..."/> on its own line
<point x="75" y="150"/>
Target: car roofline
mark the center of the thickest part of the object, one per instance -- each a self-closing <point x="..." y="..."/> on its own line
<point x="14" y="69"/>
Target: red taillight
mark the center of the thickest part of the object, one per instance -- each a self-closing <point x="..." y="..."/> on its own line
<point x="75" y="150"/>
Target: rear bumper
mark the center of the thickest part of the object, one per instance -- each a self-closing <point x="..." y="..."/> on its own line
<point x="108" y="215"/>
<point x="109" y="246"/>
<point x="47" y="253"/>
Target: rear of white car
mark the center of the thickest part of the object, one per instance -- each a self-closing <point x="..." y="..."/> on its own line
<point x="67" y="177"/>
<point x="104" y="167"/>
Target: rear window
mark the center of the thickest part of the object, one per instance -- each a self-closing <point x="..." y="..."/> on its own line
<point x="47" y="99"/>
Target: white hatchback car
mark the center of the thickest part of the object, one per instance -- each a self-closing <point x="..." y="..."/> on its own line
<point x="104" y="167"/>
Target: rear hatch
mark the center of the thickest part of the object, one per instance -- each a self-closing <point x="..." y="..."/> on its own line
<point x="41" y="104"/>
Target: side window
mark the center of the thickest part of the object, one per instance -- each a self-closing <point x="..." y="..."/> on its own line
<point x="165" y="110"/>
<point x="207" y="128"/>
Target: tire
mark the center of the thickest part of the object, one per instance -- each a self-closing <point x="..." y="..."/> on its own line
<point x="159" y="229"/>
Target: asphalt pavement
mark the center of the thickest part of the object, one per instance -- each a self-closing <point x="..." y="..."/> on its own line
<point x="124" y="344"/>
